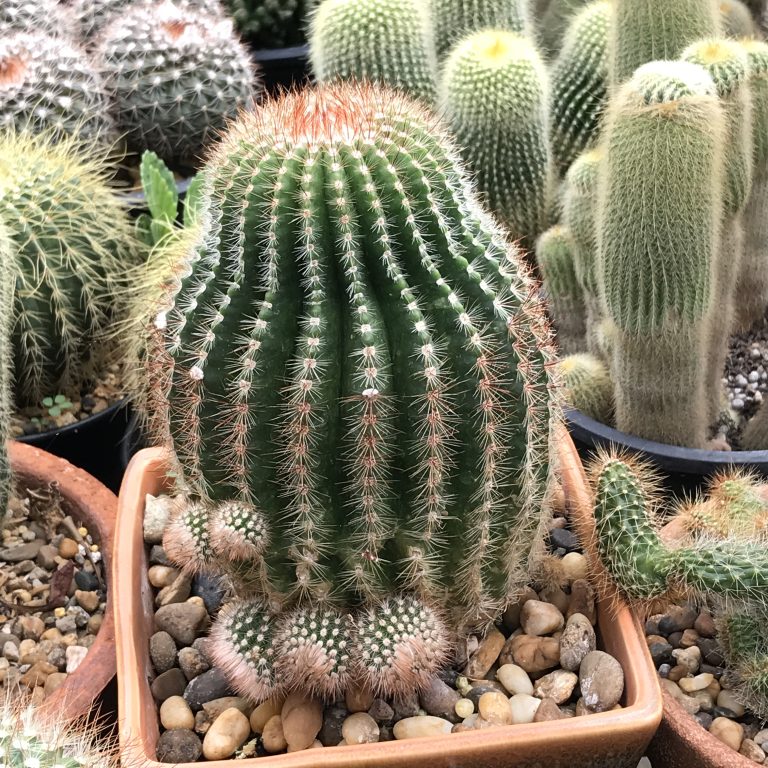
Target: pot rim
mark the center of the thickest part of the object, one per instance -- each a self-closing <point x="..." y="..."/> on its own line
<point x="97" y="506"/>
<point x="138" y="721"/>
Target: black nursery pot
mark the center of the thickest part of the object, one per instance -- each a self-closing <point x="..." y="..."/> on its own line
<point x="283" y="68"/>
<point x="102" y="444"/>
<point x="684" y="470"/>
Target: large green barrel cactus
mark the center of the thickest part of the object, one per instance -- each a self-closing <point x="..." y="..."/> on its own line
<point x="46" y="84"/>
<point x="389" y="42"/>
<point x="651" y="30"/>
<point x="659" y="238"/>
<point x="6" y="364"/>
<point x="72" y="245"/>
<point x="177" y="76"/>
<point x="580" y="84"/>
<point x="503" y="135"/>
<point x="355" y="355"/>
<point x="455" y="19"/>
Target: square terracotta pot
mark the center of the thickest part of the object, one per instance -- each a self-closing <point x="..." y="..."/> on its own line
<point x="614" y="739"/>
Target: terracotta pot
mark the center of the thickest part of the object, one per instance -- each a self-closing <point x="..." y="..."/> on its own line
<point x="614" y="739"/>
<point x="89" y="503"/>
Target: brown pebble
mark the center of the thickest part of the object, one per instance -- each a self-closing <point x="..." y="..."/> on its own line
<point x="68" y="548"/>
<point x="358" y="698"/>
<point x="272" y="736"/>
<point x="54" y="681"/>
<point x="705" y="624"/>
<point x="37" y="674"/>
<point x="302" y="719"/>
<point x="264" y="712"/>
<point x="88" y="600"/>
<point x="533" y="654"/>
<point x="582" y="601"/>
<point x="689" y="639"/>
<point x="494" y="707"/>
<point x="511" y="617"/>
<point x="486" y="654"/>
<point x="548" y="710"/>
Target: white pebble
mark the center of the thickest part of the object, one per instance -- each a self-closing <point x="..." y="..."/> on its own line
<point x="420" y="726"/>
<point x="523" y="708"/>
<point x="698" y="683"/>
<point x="730" y="700"/>
<point x="464" y="708"/>
<point x="515" y="679"/>
<point x="574" y="566"/>
<point x="75" y="655"/>
<point x="175" y="714"/>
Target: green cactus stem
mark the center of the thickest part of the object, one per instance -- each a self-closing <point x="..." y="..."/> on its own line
<point x="588" y="386"/>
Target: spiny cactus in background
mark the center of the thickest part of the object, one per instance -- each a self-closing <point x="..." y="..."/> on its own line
<point x="736" y="19"/>
<point x="755" y="434"/>
<point x="433" y="330"/>
<point x="752" y="287"/>
<point x="177" y="76"/>
<point x="93" y="15"/>
<point x="554" y="255"/>
<point x="579" y="212"/>
<point x="6" y="364"/>
<point x="72" y="245"/>
<point x="580" y="84"/>
<point x="587" y="386"/>
<point x="554" y="23"/>
<point x="46" y="17"/>
<point x="503" y="136"/>
<point x="272" y="23"/>
<point x="651" y="30"/>
<point x="389" y="42"/>
<point x="659" y="240"/>
<point x="644" y="567"/>
<point x="726" y="63"/>
<point x="47" y="84"/>
<point x="456" y="19"/>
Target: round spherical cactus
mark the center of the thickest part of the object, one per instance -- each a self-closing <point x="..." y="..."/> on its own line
<point x="504" y="135"/>
<point x="587" y="386"/>
<point x="389" y="42"/>
<point x="46" y="84"/>
<point x="272" y="23"/>
<point x="176" y="76"/>
<point x="47" y="17"/>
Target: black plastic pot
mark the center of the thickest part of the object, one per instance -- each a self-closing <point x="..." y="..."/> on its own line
<point x="94" y="444"/>
<point x="283" y="68"/>
<point x="685" y="469"/>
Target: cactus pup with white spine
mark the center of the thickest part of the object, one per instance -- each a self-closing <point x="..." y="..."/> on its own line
<point x="587" y="386"/>
<point x="389" y="42"/>
<point x="504" y="135"/>
<point x="345" y="290"/>
<point x="658" y="245"/>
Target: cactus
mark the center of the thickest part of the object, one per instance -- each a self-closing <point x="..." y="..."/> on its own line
<point x="755" y="434"/>
<point x="752" y="287"/>
<point x="659" y="241"/>
<point x="736" y="19"/>
<point x="72" y="246"/>
<point x="46" y="84"/>
<point x="361" y="183"/>
<point x="389" y="42"/>
<point x="726" y="62"/>
<point x="456" y="19"/>
<point x="554" y="255"/>
<point x="503" y="135"/>
<point x="177" y="76"/>
<point x="651" y="30"/>
<point x="580" y="84"/>
<point x="555" y="22"/>
<point x="272" y="23"/>
<point x="6" y="363"/>
<point x="46" y="17"/>
<point x="587" y="386"/>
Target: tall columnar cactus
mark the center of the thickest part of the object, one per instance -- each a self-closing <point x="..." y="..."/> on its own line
<point x="272" y="23"/>
<point x="355" y="353"/>
<point x="46" y="84"/>
<point x="554" y="255"/>
<point x="6" y="364"/>
<point x="651" y="30"/>
<point x="72" y="245"/>
<point x="455" y="19"/>
<point x="503" y="136"/>
<point x="389" y="42"/>
<point x="736" y="19"/>
<point x="726" y="62"/>
<point x="580" y="84"/>
<point x="554" y="23"/>
<point x="659" y="239"/>
<point x="752" y="287"/>
<point x="47" y="17"/>
<point x="587" y="386"/>
<point x="177" y="76"/>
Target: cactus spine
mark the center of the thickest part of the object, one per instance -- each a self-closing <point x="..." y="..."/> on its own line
<point x="6" y="363"/>
<point x="651" y="30"/>
<point x="554" y="255"/>
<point x="456" y="19"/>
<point x="389" y="42"/>
<point x="72" y="245"/>
<point x="580" y="84"/>
<point x="378" y="284"/>
<point x="658" y="246"/>
<point x="587" y="386"/>
<point x="47" y="17"/>
<point x="504" y="135"/>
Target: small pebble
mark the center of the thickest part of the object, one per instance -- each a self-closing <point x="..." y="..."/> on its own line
<point x="162" y="651"/>
<point x="170" y="683"/>
<point x="192" y="663"/>
<point x="515" y="679"/>
<point x="229" y="732"/>
<point x="206" y="687"/>
<point x="464" y="708"/>
<point x="419" y="727"/>
<point x="533" y="654"/>
<point x="380" y="711"/>
<point x="495" y="708"/>
<point x="728" y="731"/>
<point x="485" y="655"/>
<point x="578" y="639"/>
<point x="751" y="751"/>
<point x="523" y="708"/>
<point x="181" y="621"/>
<point x="68" y="548"/>
<point x="75" y="656"/>
<point x="264" y="712"/>
<point x="302" y="719"/>
<point x="215" y="707"/>
<point x="574" y="566"/>
<point x="438" y="699"/>
<point x="698" y="683"/>
<point x="272" y="736"/>
<point x="688" y="658"/>
<point x="175" y="714"/>
<point x="557" y="685"/>
<point x="548" y="711"/>
<point x="179" y="746"/>
<point x="540" y="618"/>
<point x="358" y="698"/>
<point x="157" y="510"/>
<point x="729" y="700"/>
<point x="360" y="728"/>
<point x="88" y="600"/>
<point x="601" y="679"/>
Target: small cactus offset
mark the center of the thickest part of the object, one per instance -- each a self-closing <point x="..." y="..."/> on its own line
<point x="554" y="255"/>
<point x="504" y="135"/>
<point x="272" y="23"/>
<point x="587" y="386"/>
<point x="652" y="30"/>
<point x="72" y="246"/>
<point x="659" y="247"/>
<point x="455" y="19"/>
<point x="47" y="17"/>
<point x="177" y="76"/>
<point x="580" y="84"/>
<point x="6" y="365"/>
<point x="298" y="412"/>
<point x="737" y="20"/>
<point x="389" y="42"/>
<point x="46" y="84"/>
